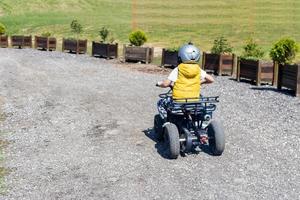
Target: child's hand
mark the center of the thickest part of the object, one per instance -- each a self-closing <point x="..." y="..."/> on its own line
<point x="158" y="84"/>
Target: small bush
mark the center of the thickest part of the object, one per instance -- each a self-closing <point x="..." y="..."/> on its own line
<point x="137" y="38"/>
<point x="112" y="39"/>
<point x="173" y="49"/>
<point x="76" y="27"/>
<point x="284" y="51"/>
<point x="2" y="29"/>
<point x="46" y="34"/>
<point x="104" y="32"/>
<point x="252" y="51"/>
<point x="221" y="46"/>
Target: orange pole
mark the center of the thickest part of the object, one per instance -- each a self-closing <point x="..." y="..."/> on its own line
<point x="133" y="15"/>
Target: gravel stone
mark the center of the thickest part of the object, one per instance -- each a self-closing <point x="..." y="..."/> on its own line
<point x="80" y="128"/>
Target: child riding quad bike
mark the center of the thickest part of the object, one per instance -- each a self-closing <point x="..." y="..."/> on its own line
<point x="185" y="120"/>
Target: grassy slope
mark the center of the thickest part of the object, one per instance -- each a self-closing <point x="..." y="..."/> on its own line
<point x="168" y="22"/>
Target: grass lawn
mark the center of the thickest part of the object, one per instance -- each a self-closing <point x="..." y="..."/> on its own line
<point x="168" y="23"/>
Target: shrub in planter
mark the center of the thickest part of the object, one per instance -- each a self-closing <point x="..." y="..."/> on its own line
<point x="135" y="52"/>
<point x="21" y="41"/>
<point x="76" y="27"/>
<point x="2" y="29"/>
<point x="104" y="49"/>
<point x="170" y="57"/>
<point x="3" y="38"/>
<point x="251" y="67"/>
<point x="220" y="60"/>
<point x="283" y="53"/>
<point x="75" y="45"/>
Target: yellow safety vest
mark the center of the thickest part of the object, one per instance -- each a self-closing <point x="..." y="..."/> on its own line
<point x="188" y="82"/>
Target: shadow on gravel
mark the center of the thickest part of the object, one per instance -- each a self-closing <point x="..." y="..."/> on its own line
<point x="243" y="81"/>
<point x="161" y="149"/>
<point x="282" y="91"/>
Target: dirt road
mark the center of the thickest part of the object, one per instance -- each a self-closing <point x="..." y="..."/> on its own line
<point x="80" y="128"/>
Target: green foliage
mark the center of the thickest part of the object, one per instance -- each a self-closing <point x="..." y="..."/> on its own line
<point x="221" y="46"/>
<point x="284" y="50"/>
<point x="46" y="34"/>
<point x="252" y="51"/>
<point x="2" y="29"/>
<point x="76" y="27"/>
<point x="173" y="49"/>
<point x="104" y="32"/>
<point x="137" y="38"/>
<point x="112" y="39"/>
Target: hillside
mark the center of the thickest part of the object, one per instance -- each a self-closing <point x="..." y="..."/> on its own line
<point x="168" y="23"/>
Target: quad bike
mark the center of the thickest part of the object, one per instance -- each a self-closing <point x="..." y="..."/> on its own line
<point x="186" y="125"/>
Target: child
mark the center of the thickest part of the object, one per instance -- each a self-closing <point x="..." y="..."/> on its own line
<point x="186" y="79"/>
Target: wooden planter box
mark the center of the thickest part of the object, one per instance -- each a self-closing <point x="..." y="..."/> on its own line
<point x="142" y="54"/>
<point x="51" y="44"/>
<point x="289" y="77"/>
<point x="21" y="41"/>
<point x="27" y="42"/>
<point x="169" y="58"/>
<point x="105" y="50"/>
<point x="3" y="41"/>
<point x="41" y="42"/>
<point x="221" y="64"/>
<point x="82" y="46"/>
<point x="77" y="46"/>
<point x="256" y="70"/>
<point x="45" y="43"/>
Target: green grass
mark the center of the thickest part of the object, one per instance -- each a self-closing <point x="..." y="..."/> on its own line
<point x="168" y="23"/>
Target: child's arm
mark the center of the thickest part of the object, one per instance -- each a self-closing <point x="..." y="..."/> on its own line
<point x="164" y="84"/>
<point x="207" y="79"/>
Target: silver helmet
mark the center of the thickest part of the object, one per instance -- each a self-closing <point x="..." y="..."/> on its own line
<point x="188" y="53"/>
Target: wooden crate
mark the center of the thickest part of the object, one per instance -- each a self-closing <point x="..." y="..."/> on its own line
<point x="27" y="41"/>
<point x="256" y="70"/>
<point x="169" y="58"/>
<point x="51" y="44"/>
<point x="289" y="77"/>
<point x="17" y="41"/>
<point x="45" y="43"/>
<point x="69" y="45"/>
<point x="41" y="42"/>
<point x="104" y="50"/>
<point x="3" y="41"/>
<point x="142" y="54"/>
<point x="81" y="46"/>
<point x="221" y="64"/>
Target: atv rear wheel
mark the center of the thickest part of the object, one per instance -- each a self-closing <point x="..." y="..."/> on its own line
<point x="172" y="140"/>
<point x="216" y="137"/>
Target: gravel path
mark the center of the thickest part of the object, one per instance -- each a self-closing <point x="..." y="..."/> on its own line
<point x="80" y="128"/>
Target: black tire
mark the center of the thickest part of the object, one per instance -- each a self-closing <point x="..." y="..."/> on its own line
<point x="172" y="140"/>
<point x="216" y="136"/>
<point x="158" y="129"/>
